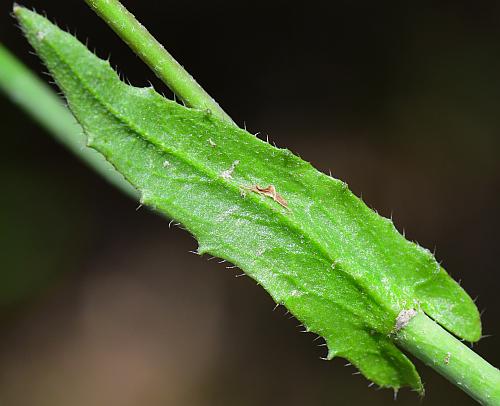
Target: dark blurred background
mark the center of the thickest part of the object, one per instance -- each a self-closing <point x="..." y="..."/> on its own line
<point x="102" y="304"/>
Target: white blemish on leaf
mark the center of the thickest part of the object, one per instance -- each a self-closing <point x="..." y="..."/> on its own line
<point x="403" y="319"/>
<point x="228" y="173"/>
<point x="40" y="35"/>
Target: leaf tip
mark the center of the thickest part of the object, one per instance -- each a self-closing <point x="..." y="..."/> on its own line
<point x="16" y="8"/>
<point x="19" y="12"/>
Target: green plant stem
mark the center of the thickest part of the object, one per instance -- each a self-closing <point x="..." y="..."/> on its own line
<point x="451" y="358"/>
<point x="155" y="56"/>
<point x="42" y="104"/>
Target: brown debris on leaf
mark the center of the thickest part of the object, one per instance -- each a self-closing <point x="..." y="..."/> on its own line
<point x="271" y="192"/>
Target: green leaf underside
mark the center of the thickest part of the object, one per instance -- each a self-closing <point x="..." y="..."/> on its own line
<point x="341" y="269"/>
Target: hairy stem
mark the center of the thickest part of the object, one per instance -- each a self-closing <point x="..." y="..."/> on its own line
<point x="41" y="103"/>
<point x="155" y="56"/>
<point x="451" y="358"/>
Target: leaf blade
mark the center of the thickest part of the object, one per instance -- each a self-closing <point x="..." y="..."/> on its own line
<point x="341" y="269"/>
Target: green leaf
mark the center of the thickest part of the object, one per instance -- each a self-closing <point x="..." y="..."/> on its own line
<point x="340" y="268"/>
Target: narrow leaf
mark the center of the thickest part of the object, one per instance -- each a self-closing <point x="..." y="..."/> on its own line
<point x="336" y="265"/>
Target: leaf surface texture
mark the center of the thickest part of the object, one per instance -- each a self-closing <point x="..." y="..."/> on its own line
<point x="341" y="269"/>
